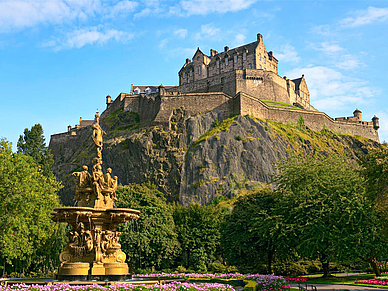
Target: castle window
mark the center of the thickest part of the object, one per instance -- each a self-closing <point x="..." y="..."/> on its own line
<point x="218" y="64"/>
<point x="191" y="73"/>
<point x="184" y="75"/>
<point x="265" y="59"/>
<point x="227" y="62"/>
<point x="249" y="66"/>
<point x="261" y="67"/>
<point x="259" y="57"/>
<point x="245" y="56"/>
<point x="235" y="59"/>
<point x="199" y="70"/>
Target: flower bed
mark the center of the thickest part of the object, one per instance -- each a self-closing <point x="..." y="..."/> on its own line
<point x="174" y="286"/>
<point x="263" y="282"/>
<point x="194" y="275"/>
<point x="372" y="282"/>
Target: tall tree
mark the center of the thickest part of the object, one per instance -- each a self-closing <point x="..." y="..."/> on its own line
<point x="250" y="234"/>
<point x="151" y="241"/>
<point x="27" y="198"/>
<point x="324" y="206"/>
<point x="198" y="228"/>
<point x="32" y="143"/>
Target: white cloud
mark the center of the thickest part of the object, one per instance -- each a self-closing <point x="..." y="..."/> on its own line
<point x="162" y="44"/>
<point x="328" y="48"/>
<point x="203" y="7"/>
<point x="89" y="36"/>
<point x="143" y="13"/>
<point x="182" y="33"/>
<point x="368" y="16"/>
<point x="239" y="39"/>
<point x="287" y="53"/>
<point x="349" y="62"/>
<point x="123" y="7"/>
<point x="22" y="14"/>
<point x="207" y="30"/>
<point x="330" y="90"/>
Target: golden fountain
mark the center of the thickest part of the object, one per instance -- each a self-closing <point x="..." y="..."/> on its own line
<point x="94" y="251"/>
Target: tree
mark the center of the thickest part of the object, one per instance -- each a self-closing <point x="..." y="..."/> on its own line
<point x="250" y="233"/>
<point x="151" y="241"/>
<point x="324" y="206"/>
<point x="198" y="228"/>
<point x="27" y="198"/>
<point x="374" y="169"/>
<point x="32" y="143"/>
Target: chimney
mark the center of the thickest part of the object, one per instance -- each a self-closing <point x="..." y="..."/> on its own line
<point x="188" y="60"/>
<point x="213" y="52"/>
<point x="68" y="127"/>
<point x="226" y="48"/>
<point x="131" y="92"/>
<point x="259" y="37"/>
<point x="270" y="55"/>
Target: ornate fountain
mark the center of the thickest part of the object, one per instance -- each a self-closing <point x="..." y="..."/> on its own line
<point x="94" y="251"/>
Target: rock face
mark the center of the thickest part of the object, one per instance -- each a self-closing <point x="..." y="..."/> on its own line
<point x="199" y="157"/>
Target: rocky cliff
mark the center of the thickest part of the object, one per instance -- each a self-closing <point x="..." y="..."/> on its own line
<point x="198" y="157"/>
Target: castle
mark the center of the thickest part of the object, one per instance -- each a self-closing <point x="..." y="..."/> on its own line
<point x="242" y="80"/>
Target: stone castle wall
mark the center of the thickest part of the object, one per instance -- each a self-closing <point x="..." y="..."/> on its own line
<point x="313" y="119"/>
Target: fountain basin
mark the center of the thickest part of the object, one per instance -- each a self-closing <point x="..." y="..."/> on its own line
<point x="93" y="251"/>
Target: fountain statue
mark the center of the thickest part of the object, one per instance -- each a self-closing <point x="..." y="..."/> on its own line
<point x="94" y="251"/>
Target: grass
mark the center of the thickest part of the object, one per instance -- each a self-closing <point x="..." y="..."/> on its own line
<point x="343" y="280"/>
<point x="280" y="104"/>
<point x="217" y="127"/>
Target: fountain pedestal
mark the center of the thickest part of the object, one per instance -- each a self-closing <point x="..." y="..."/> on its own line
<point x="94" y="251"/>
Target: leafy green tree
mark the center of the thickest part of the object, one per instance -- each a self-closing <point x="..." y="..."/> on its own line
<point x="198" y="228"/>
<point x="151" y="241"/>
<point x="27" y="198"/>
<point x="250" y="234"/>
<point x="374" y="169"/>
<point x="32" y="143"/>
<point x="324" y="206"/>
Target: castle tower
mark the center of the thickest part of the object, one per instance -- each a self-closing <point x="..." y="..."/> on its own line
<point x="108" y="100"/>
<point x="375" y="121"/>
<point x="357" y="115"/>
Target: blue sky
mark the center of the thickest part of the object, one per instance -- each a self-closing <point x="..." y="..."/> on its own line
<point x="60" y="58"/>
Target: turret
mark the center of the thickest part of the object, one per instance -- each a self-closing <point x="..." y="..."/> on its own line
<point x="162" y="90"/>
<point x="357" y="114"/>
<point x="108" y="101"/>
<point x="375" y="121"/>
